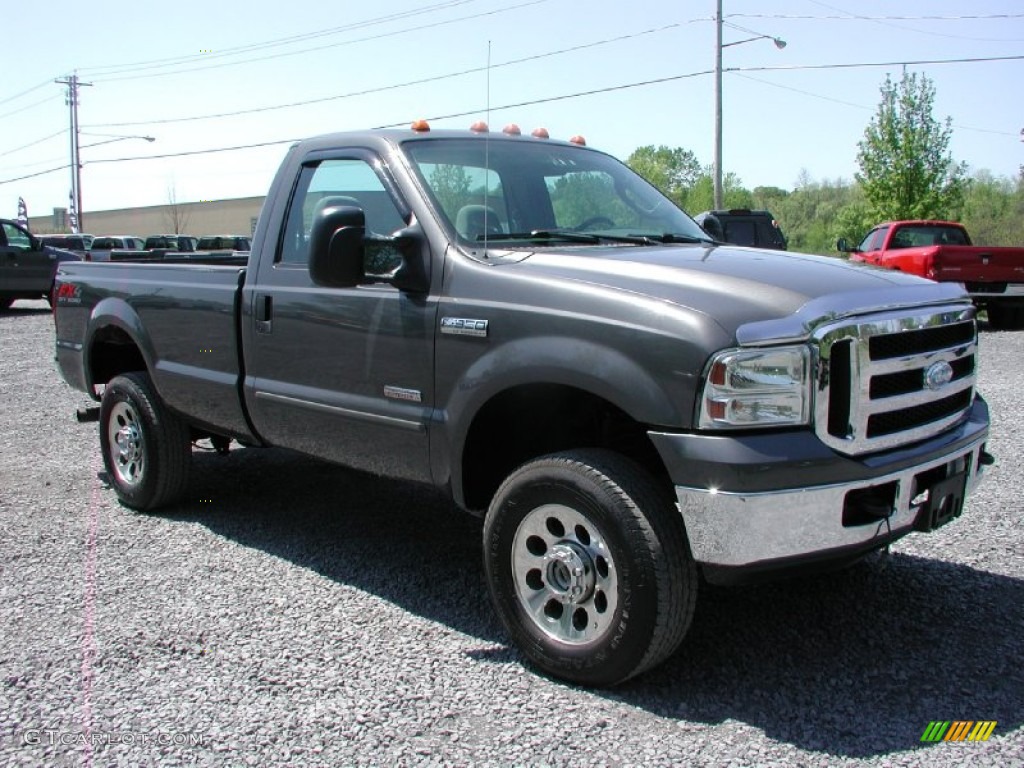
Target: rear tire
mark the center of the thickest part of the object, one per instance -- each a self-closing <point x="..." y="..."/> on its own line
<point x="588" y="566"/>
<point x="146" y="448"/>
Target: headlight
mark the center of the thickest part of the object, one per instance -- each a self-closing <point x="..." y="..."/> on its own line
<point x="757" y="388"/>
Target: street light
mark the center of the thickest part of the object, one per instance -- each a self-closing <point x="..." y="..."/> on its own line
<point x="719" y="45"/>
<point x="111" y="137"/>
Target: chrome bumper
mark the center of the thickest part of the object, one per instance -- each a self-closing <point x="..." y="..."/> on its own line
<point x="1013" y="291"/>
<point x="745" y="529"/>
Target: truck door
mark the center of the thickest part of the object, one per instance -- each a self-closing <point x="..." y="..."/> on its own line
<point x="23" y="269"/>
<point x="341" y="373"/>
<point x="870" y="248"/>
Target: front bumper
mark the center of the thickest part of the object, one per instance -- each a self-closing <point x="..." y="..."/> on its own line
<point x="756" y="504"/>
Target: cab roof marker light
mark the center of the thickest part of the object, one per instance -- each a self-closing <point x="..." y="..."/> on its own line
<point x="512" y="130"/>
<point x="421" y="126"/>
<point x="577" y="139"/>
<point x="479" y="127"/>
<point x="540" y="133"/>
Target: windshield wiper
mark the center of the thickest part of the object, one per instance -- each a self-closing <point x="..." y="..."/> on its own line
<point x="543" y="234"/>
<point x="673" y="237"/>
<point x="569" y="236"/>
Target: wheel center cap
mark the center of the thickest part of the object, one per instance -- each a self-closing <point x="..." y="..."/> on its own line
<point x="569" y="572"/>
<point x="128" y="443"/>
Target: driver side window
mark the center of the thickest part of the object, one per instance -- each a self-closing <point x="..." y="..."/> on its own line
<point x="873" y="241"/>
<point x="16" y="238"/>
<point x="344" y="181"/>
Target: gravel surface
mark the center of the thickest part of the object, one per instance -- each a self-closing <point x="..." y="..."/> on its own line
<point x="294" y="613"/>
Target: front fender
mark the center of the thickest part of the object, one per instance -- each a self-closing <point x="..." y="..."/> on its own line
<point x="590" y="367"/>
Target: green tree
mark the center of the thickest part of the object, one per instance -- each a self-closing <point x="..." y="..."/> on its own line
<point x="451" y="185"/>
<point x="816" y="213"/>
<point x="769" y="198"/>
<point x="994" y="210"/>
<point x="577" y="197"/>
<point x="701" y="196"/>
<point x="906" y="169"/>
<point x="673" y="171"/>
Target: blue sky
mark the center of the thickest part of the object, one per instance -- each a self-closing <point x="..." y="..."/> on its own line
<point x="789" y="114"/>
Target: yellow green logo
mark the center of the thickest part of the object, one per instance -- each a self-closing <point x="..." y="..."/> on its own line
<point x="958" y="730"/>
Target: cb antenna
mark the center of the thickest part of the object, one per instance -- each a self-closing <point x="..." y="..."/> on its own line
<point x="487" y="150"/>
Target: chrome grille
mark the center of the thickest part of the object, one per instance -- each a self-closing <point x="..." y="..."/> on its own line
<point x="895" y="378"/>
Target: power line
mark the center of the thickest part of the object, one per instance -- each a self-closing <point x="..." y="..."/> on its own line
<point x="383" y="35"/>
<point x="33" y="175"/>
<point x="274" y="42"/>
<point x="882" y="22"/>
<point x="849" y="16"/>
<point x="867" y="65"/>
<point x="563" y="97"/>
<point x="393" y="86"/>
<point x="26" y="91"/>
<point x="858" y="106"/>
<point x="189" y="153"/>
<point x="31" y="143"/>
<point x="30" y="106"/>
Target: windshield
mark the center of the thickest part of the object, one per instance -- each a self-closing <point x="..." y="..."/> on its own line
<point x="516" y="189"/>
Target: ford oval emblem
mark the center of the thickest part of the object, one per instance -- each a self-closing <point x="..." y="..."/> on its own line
<point x="938" y="375"/>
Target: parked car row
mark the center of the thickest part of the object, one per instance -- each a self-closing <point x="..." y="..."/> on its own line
<point x="100" y="248"/>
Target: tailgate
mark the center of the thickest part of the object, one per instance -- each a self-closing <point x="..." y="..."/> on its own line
<point x="979" y="264"/>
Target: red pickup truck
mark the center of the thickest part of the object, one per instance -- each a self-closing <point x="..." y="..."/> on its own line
<point x="942" y="251"/>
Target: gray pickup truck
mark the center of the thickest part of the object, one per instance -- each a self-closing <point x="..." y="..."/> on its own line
<point x="532" y="327"/>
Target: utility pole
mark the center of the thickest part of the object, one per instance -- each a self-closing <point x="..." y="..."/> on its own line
<point x="719" y="45"/>
<point x="72" y="82"/>
<point x="718" y="107"/>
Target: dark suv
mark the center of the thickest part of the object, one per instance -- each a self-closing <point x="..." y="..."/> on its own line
<point x="742" y="226"/>
<point x="180" y="243"/>
<point x="224" y="242"/>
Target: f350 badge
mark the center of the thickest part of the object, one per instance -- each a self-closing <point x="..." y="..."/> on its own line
<point x="464" y="326"/>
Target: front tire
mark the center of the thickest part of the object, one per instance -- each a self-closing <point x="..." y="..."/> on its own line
<point x="588" y="566"/>
<point x="146" y="448"/>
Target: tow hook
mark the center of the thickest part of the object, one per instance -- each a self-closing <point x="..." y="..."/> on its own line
<point x="87" y="413"/>
<point x="986" y="459"/>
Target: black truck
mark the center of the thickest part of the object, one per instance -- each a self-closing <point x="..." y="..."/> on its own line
<point x="529" y="325"/>
<point x="27" y="265"/>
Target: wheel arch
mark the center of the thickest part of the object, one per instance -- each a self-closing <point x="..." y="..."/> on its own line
<point x="570" y="395"/>
<point x="117" y="343"/>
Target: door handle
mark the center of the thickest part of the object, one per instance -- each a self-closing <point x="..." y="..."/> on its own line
<point x="264" y="313"/>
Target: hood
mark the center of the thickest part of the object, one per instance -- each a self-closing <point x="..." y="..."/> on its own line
<point x="751" y="293"/>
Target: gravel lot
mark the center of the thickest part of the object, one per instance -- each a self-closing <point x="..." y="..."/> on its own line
<point x="294" y="613"/>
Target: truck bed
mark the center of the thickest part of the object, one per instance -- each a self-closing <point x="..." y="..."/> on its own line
<point x="189" y="311"/>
